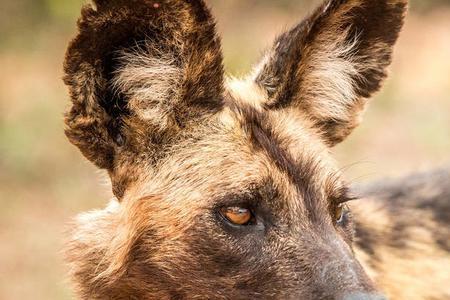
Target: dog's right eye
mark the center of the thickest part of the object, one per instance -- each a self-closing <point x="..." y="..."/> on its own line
<point x="237" y="215"/>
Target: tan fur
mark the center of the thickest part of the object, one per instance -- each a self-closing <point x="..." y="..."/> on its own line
<point x="245" y="90"/>
<point x="151" y="105"/>
<point x="418" y="269"/>
<point x="330" y="72"/>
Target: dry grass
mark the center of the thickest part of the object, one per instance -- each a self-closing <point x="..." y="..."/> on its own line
<point x="44" y="180"/>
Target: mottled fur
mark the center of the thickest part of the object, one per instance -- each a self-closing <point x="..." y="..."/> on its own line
<point x="330" y="63"/>
<point x="119" y="37"/>
<point x="179" y="141"/>
<point x="402" y="234"/>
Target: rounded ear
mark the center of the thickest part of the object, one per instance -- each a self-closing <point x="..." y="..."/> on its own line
<point x="138" y="72"/>
<point x="329" y="64"/>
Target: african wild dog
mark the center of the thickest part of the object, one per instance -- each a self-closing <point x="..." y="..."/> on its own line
<point x="225" y="188"/>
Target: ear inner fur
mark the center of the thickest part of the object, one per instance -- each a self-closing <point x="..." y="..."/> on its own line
<point x="329" y="64"/>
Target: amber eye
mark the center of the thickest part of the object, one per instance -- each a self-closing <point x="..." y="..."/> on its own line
<point x="340" y="213"/>
<point x="237" y="215"/>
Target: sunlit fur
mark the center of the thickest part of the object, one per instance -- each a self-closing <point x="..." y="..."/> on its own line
<point x="345" y="47"/>
<point x="180" y="140"/>
<point x="148" y="78"/>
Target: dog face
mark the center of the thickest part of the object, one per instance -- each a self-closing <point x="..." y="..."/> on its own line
<point x="225" y="187"/>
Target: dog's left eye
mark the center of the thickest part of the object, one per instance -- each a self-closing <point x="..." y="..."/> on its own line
<point x="237" y="215"/>
<point x="340" y="213"/>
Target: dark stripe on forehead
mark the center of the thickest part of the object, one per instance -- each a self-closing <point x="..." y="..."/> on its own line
<point x="301" y="173"/>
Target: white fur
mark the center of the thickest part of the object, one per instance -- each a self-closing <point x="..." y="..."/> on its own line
<point x="151" y="80"/>
<point x="330" y="69"/>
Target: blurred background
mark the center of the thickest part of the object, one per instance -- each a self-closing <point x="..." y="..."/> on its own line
<point x="44" y="181"/>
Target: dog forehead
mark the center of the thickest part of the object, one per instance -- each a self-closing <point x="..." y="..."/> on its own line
<point x="287" y="142"/>
<point x="249" y="104"/>
<point x="244" y="145"/>
<point x="242" y="149"/>
<point x="288" y="131"/>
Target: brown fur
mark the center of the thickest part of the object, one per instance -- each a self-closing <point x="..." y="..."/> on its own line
<point x="176" y="39"/>
<point x="180" y="142"/>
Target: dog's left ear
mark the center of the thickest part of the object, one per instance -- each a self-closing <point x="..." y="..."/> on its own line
<point x="328" y="65"/>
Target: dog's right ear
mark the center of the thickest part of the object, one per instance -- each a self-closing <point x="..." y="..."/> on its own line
<point x="138" y="72"/>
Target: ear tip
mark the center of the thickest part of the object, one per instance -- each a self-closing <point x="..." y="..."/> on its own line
<point x="402" y="5"/>
<point x="100" y="4"/>
<point x="199" y="6"/>
<point x="398" y="7"/>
